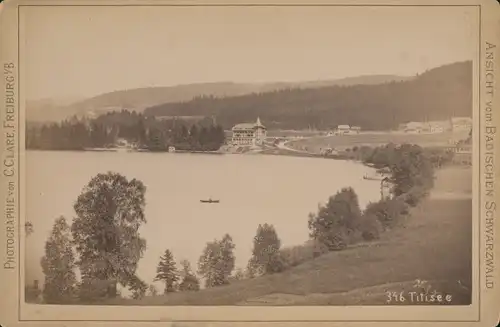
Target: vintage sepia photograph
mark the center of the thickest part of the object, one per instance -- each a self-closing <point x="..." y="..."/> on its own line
<point x="200" y="156"/>
<point x="255" y="160"/>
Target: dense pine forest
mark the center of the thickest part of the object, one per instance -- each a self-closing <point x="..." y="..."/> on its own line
<point x="436" y="94"/>
<point x="105" y="131"/>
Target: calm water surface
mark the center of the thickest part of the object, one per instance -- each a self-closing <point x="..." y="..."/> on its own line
<point x="253" y="189"/>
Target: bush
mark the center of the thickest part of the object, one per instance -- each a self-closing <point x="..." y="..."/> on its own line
<point x="277" y="265"/>
<point x="335" y="222"/>
<point x="296" y="255"/>
<point x="388" y="211"/>
<point x="189" y="283"/>
<point x="370" y="227"/>
<point x="414" y="195"/>
<point x="365" y="152"/>
<point x="336" y="240"/>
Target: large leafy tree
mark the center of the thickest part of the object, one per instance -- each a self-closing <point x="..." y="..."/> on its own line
<point x="266" y="246"/>
<point x="217" y="262"/>
<point x="228" y="258"/>
<point x="58" y="265"/>
<point x="167" y="272"/>
<point x="109" y="212"/>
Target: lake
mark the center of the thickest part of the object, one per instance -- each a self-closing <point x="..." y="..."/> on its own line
<point x="253" y="190"/>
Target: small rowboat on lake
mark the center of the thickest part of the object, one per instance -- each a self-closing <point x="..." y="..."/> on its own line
<point x="209" y="201"/>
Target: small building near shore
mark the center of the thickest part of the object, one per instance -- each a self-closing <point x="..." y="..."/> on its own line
<point x="413" y="127"/>
<point x="343" y="129"/>
<point x="171" y="149"/>
<point x="436" y="128"/>
<point x="461" y="123"/>
<point x="249" y="133"/>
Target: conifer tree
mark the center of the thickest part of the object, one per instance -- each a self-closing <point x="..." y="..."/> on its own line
<point x="167" y="272"/>
<point x="58" y="265"/>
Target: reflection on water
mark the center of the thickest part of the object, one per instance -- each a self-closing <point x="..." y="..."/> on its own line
<point x="252" y="189"/>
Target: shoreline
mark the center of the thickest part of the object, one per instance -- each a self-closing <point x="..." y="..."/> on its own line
<point x="265" y="152"/>
<point x="159" y="157"/>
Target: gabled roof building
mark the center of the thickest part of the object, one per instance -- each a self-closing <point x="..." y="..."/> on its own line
<point x="249" y="133"/>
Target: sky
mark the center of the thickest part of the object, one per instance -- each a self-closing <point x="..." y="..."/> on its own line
<point x="86" y="51"/>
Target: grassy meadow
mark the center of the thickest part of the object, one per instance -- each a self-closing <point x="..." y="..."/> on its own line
<point x="315" y="144"/>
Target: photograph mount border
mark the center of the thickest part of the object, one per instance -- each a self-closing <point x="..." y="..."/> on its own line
<point x="477" y="143"/>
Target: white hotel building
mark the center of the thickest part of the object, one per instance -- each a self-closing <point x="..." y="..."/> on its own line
<point x="249" y="133"/>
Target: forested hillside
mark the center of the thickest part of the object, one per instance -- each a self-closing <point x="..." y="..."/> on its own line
<point x="433" y="95"/>
<point x="141" y="98"/>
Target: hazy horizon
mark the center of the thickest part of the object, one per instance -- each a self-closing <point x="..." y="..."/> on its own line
<point x="66" y="97"/>
<point x="84" y="51"/>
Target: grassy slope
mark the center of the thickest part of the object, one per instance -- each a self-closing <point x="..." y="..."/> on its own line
<point x="434" y="245"/>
